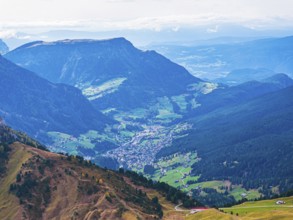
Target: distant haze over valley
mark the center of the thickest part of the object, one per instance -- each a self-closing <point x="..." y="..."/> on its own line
<point x="157" y="109"/>
<point x="148" y="38"/>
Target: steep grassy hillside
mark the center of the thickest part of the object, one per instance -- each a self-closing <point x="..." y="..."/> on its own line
<point x="43" y="185"/>
<point x="211" y="214"/>
<point x="9" y="204"/>
<point x="38" y="184"/>
<point x="48" y="186"/>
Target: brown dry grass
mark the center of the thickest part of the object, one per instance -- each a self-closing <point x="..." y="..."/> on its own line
<point x="67" y="200"/>
<point x="9" y="205"/>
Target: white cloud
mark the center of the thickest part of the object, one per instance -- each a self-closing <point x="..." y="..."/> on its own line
<point x="174" y="23"/>
<point x="125" y="1"/>
<point x="8" y="33"/>
<point x="11" y="33"/>
<point x="140" y="14"/>
<point x="176" y="28"/>
<point x="213" y="29"/>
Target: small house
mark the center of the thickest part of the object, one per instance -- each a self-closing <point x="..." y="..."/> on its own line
<point x="280" y="202"/>
<point x="243" y="195"/>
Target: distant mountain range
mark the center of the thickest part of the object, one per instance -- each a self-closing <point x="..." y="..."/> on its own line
<point x="230" y="96"/>
<point x="246" y="58"/>
<point x="35" y="105"/>
<point x="3" y="47"/>
<point x="111" y="73"/>
<point x="239" y="76"/>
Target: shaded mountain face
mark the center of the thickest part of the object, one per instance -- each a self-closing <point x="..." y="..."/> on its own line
<point x="3" y="47"/>
<point x="35" y="105"/>
<point x="249" y="143"/>
<point x="241" y="59"/>
<point x="111" y="73"/>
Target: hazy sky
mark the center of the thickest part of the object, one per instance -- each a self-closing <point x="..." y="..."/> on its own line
<point x="96" y="15"/>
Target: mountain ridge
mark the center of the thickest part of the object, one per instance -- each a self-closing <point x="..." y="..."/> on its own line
<point x="89" y="64"/>
<point x="215" y="61"/>
<point x="228" y="96"/>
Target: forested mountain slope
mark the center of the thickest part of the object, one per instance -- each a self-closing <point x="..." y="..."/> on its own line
<point x="249" y="143"/>
<point x="35" y="105"/>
